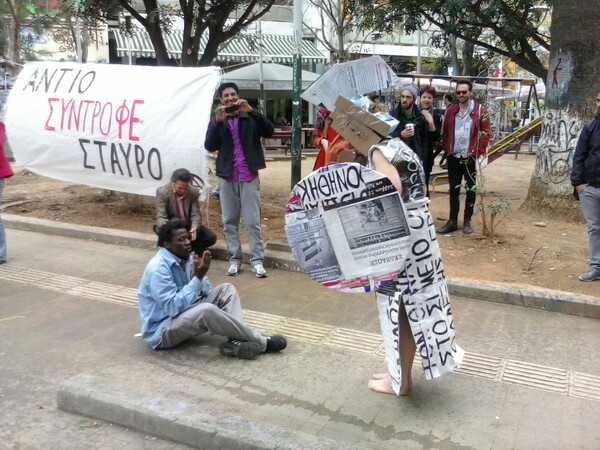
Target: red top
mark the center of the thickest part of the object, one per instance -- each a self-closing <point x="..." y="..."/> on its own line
<point x="481" y="132"/>
<point x="5" y="169"/>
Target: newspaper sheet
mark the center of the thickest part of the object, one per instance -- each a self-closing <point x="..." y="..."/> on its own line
<point x="350" y="79"/>
<point x="347" y="227"/>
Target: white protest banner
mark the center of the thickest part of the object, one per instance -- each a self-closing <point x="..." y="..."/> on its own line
<point x="124" y="128"/>
<point x="347" y="227"/>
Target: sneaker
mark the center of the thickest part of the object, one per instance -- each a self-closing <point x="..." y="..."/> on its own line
<point x="590" y="275"/>
<point x="233" y="270"/>
<point x="276" y="343"/>
<point x="259" y="270"/>
<point x="240" y="349"/>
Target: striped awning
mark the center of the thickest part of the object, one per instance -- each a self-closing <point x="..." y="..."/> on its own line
<point x="242" y="48"/>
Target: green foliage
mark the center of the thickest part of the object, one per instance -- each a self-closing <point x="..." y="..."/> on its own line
<point x="492" y="211"/>
<point x="512" y="28"/>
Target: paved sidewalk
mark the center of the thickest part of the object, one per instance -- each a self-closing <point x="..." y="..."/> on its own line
<point x="278" y="256"/>
<point x="68" y="324"/>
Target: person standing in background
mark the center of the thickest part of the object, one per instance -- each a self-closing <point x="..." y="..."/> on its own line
<point x="235" y="134"/>
<point x="5" y="172"/>
<point x="585" y="178"/>
<point x="466" y="133"/>
<point x="448" y="101"/>
<point x="427" y="97"/>
<point x="327" y="140"/>
<point x="414" y="126"/>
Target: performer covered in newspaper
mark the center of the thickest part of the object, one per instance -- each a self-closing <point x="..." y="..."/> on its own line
<point x="414" y="310"/>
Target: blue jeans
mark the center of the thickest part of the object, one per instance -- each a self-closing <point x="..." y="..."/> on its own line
<point x="590" y="205"/>
<point x="2" y="232"/>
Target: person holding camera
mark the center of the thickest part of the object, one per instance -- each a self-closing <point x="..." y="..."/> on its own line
<point x="235" y="134"/>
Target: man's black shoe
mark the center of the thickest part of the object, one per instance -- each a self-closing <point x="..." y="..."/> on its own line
<point x="240" y="349"/>
<point x="448" y="228"/>
<point x="276" y="343"/>
<point x="467" y="228"/>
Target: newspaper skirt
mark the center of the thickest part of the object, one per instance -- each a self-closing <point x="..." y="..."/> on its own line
<point x="421" y="284"/>
<point x="421" y="288"/>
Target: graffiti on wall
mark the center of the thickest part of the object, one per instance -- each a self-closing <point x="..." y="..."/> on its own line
<point x="560" y="132"/>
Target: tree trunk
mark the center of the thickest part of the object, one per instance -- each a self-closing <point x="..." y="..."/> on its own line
<point x="456" y="66"/>
<point x="15" y="31"/>
<point x="571" y="88"/>
<point x="467" y="58"/>
<point x="85" y="39"/>
<point x="211" y="51"/>
<point x="158" y="41"/>
<point x="192" y="32"/>
<point x="152" y="25"/>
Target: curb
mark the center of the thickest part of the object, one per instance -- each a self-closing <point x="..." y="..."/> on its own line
<point x="278" y="256"/>
<point x="538" y="298"/>
<point x="177" y="420"/>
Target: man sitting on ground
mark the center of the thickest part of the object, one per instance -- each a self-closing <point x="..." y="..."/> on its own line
<point x="176" y="301"/>
<point x="178" y="199"/>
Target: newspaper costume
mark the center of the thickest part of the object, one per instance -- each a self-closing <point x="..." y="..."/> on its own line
<point x="351" y="230"/>
<point x="421" y="284"/>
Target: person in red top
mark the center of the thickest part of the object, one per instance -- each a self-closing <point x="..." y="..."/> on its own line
<point x="327" y="140"/>
<point x="5" y="172"/>
<point x="466" y="133"/>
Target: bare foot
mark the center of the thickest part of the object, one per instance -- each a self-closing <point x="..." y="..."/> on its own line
<point x="380" y="376"/>
<point x="404" y="391"/>
<point x="381" y="382"/>
<point x="383" y="385"/>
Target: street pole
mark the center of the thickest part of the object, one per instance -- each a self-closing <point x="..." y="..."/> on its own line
<point x="261" y="99"/>
<point x="419" y="52"/>
<point x="297" y="87"/>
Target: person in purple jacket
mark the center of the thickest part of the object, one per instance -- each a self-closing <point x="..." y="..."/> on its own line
<point x="235" y="134"/>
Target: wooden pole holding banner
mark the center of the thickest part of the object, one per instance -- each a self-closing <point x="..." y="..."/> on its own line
<point x="296" y="151"/>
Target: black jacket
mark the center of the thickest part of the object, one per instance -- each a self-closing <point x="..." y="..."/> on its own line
<point x="418" y="142"/>
<point x="586" y="161"/>
<point x="252" y="127"/>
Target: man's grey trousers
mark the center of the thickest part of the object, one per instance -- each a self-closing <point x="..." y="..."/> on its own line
<point x="237" y="199"/>
<point x="220" y="313"/>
